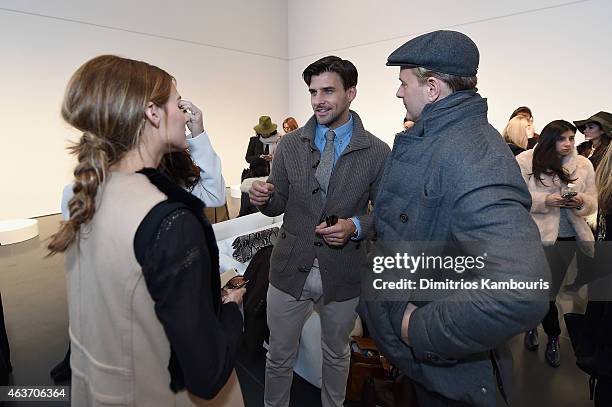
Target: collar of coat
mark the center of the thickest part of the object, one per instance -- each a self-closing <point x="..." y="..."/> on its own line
<point x="359" y="137"/>
<point x="448" y="112"/>
<point x="569" y="162"/>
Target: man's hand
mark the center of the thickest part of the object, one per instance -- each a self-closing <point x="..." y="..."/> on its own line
<point x="267" y="157"/>
<point x="338" y="234"/>
<point x="195" y="122"/>
<point x="260" y="192"/>
<point x="555" y="200"/>
<point x="406" y="321"/>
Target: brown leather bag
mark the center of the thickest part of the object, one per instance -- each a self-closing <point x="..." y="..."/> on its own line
<point x="366" y="362"/>
<point x="216" y="215"/>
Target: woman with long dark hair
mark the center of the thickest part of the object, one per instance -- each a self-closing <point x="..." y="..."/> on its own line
<point x="598" y="130"/>
<point x="148" y="322"/>
<point x="563" y="192"/>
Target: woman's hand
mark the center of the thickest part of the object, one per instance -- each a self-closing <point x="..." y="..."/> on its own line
<point x="555" y="200"/>
<point x="195" y="121"/>
<point x="235" y="295"/>
<point x="576" y="202"/>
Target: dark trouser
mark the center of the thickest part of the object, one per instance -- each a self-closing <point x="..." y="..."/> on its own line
<point x="559" y="257"/>
<point x="5" y="353"/>
<point x="246" y="207"/>
<point x="428" y="398"/>
<point x="603" y="393"/>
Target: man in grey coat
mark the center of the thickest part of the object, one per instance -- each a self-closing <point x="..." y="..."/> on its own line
<point x="451" y="179"/>
<point x="323" y="178"/>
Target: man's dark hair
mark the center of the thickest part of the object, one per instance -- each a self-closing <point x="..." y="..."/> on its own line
<point x="344" y="68"/>
<point x="519" y="110"/>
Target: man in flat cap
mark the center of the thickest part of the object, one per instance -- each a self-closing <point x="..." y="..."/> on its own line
<point x="451" y="179"/>
<point x="323" y="178"/>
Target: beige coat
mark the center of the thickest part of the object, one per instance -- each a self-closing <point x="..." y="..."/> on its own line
<point x="547" y="217"/>
<point x="120" y="351"/>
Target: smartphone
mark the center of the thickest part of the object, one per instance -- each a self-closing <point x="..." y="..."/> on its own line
<point x="236" y="282"/>
<point x="569" y="195"/>
<point x="331" y="220"/>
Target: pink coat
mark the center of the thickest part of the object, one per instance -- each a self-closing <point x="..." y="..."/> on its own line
<point x="547" y="217"/>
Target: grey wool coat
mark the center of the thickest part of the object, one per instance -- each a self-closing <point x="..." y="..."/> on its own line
<point x="353" y="184"/>
<point x="451" y="178"/>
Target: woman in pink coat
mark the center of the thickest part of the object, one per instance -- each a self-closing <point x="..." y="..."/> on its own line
<point x="563" y="193"/>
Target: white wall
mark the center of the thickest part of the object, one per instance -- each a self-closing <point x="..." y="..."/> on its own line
<point x="550" y="55"/>
<point x="238" y="59"/>
<point x="230" y="58"/>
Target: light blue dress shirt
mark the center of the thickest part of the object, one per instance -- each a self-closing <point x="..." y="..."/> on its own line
<point x="343" y="137"/>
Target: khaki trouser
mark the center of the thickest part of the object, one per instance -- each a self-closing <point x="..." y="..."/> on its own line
<point x="286" y="318"/>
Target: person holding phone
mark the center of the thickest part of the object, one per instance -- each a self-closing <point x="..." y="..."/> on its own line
<point x="196" y="169"/>
<point x="563" y="193"/>
<point x="262" y="146"/>
<point x="148" y="322"/>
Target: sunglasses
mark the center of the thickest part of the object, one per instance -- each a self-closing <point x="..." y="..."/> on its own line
<point x="236" y="282"/>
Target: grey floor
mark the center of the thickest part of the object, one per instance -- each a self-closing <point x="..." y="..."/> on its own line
<point x="34" y="296"/>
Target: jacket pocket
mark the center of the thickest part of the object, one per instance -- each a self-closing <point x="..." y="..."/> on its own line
<point x="283" y="250"/>
<point x="95" y="383"/>
<point x="428" y="215"/>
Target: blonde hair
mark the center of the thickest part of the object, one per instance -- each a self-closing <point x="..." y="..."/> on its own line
<point x="515" y="131"/>
<point x="106" y="100"/>
<point x="603" y="180"/>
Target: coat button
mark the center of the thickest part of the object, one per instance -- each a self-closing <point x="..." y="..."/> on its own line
<point x="357" y="246"/>
<point x="314" y="191"/>
<point x="403" y="218"/>
<point x="283" y="235"/>
<point x="483" y="390"/>
<point x="318" y="244"/>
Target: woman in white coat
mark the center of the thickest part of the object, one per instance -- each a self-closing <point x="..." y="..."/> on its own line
<point x="563" y="193"/>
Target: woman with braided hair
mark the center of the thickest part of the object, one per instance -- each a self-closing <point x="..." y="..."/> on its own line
<point x="148" y="323"/>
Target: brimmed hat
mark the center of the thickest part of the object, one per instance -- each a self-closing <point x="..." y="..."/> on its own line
<point x="265" y="126"/>
<point x="604" y="119"/>
<point x="443" y="51"/>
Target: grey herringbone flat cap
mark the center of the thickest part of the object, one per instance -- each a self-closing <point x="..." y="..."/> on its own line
<point x="443" y="51"/>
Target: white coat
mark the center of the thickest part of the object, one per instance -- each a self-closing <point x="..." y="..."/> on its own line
<point x="547" y="217"/>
